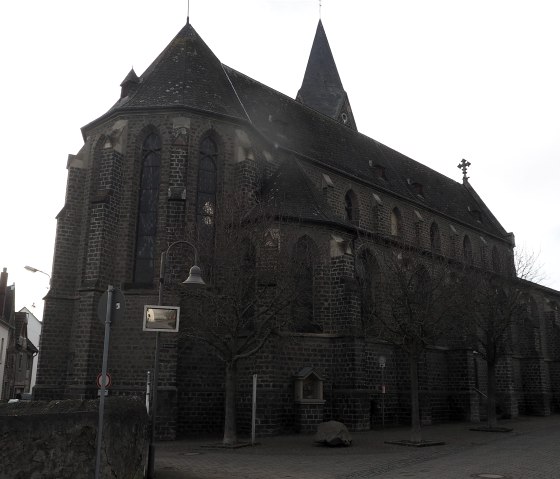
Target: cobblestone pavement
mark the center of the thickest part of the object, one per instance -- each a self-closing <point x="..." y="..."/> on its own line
<point x="531" y="451"/>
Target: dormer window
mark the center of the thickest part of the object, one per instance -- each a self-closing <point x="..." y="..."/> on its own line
<point x="418" y="189"/>
<point x="395" y="222"/>
<point x="477" y="215"/>
<point x="379" y="172"/>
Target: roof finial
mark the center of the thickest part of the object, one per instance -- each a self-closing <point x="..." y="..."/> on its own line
<point x="188" y="10"/>
<point x="463" y="166"/>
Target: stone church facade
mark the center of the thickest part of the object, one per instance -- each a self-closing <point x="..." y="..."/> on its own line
<point x="155" y="168"/>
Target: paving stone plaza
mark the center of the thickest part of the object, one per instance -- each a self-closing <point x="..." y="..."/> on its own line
<point x="531" y="451"/>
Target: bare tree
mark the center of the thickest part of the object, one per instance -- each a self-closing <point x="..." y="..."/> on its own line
<point x="420" y="304"/>
<point x="251" y="290"/>
<point x="497" y="303"/>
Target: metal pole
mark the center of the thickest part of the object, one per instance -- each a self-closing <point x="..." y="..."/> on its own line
<point x="103" y="378"/>
<point x="152" y="447"/>
<point x="148" y="391"/>
<point x="383" y="398"/>
<point x="254" y="412"/>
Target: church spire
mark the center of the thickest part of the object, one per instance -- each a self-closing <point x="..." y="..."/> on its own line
<point x="322" y="88"/>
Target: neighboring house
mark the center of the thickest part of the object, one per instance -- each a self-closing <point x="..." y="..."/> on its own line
<point x="158" y="167"/>
<point x="34" y="335"/>
<point x="24" y="356"/>
<point x="7" y="318"/>
<point x="4" y="333"/>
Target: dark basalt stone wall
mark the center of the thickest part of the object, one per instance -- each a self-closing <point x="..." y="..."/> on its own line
<point x="57" y="439"/>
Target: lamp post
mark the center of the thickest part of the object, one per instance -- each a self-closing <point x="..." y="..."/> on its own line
<point x="194" y="280"/>
<point x="35" y="270"/>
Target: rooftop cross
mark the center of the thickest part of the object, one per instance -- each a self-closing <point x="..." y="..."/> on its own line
<point x="464" y="166"/>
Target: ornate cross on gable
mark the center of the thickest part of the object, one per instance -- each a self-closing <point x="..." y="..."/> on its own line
<point x="464" y="166"/>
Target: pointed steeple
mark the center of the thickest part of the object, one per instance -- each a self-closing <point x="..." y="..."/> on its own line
<point x="322" y="89"/>
<point x="130" y="83"/>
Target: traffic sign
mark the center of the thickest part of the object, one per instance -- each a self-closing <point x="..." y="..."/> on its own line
<point x="108" y="380"/>
<point x="117" y="311"/>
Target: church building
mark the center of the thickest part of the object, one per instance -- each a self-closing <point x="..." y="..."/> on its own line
<point x="158" y="167"/>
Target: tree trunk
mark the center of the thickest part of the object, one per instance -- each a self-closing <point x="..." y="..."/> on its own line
<point x="230" y="425"/>
<point x="491" y="403"/>
<point x="416" y="429"/>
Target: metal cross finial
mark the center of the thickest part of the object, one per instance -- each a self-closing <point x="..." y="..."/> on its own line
<point x="463" y="166"/>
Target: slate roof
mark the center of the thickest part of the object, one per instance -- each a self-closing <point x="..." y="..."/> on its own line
<point x="307" y="132"/>
<point x="188" y="74"/>
<point x="289" y="193"/>
<point x="322" y="88"/>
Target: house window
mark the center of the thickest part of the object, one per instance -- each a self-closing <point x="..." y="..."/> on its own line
<point x="395" y="222"/>
<point x="467" y="250"/>
<point x="20" y="362"/>
<point x="206" y="202"/>
<point x="146" y="228"/>
<point x="435" y="237"/>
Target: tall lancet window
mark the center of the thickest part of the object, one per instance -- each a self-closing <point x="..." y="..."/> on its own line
<point x="146" y="226"/>
<point x="206" y="202"/>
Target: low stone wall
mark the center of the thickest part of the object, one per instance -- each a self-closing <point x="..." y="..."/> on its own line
<point x="57" y="439"/>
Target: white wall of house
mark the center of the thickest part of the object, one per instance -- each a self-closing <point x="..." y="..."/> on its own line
<point x="34" y="335"/>
<point x="4" y="330"/>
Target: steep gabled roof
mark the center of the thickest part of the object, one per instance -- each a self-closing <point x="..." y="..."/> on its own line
<point x="322" y="88"/>
<point x="186" y="73"/>
<point x="289" y="193"/>
<point x="318" y="138"/>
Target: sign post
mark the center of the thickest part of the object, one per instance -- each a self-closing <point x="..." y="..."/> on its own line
<point x="382" y="364"/>
<point x="111" y="304"/>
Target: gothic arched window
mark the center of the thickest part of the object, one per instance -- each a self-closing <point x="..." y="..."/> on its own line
<point x="396" y="222"/>
<point x="247" y="270"/>
<point x="467" y="250"/>
<point x="351" y="206"/>
<point x="304" y="262"/>
<point x="367" y="276"/>
<point x="146" y="225"/>
<point x="435" y="237"/>
<point x="496" y="261"/>
<point x="206" y="200"/>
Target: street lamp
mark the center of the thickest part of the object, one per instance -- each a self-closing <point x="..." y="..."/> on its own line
<point x="194" y="280"/>
<point x="35" y="270"/>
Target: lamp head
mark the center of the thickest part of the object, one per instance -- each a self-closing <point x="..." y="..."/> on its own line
<point x="31" y="268"/>
<point x="195" y="278"/>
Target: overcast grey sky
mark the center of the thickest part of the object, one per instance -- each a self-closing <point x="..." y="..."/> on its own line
<point x="436" y="80"/>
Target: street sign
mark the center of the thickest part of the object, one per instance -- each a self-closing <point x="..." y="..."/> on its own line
<point x="117" y="311"/>
<point x="164" y="319"/>
<point x="108" y="380"/>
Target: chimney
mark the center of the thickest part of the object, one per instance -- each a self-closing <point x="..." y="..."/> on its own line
<point x="3" y="286"/>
